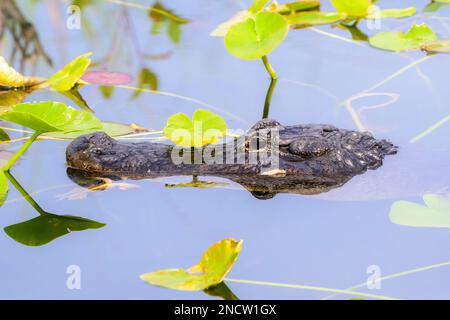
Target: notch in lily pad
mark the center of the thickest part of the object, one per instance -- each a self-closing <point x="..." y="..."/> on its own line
<point x="213" y="267"/>
<point x="205" y="128"/>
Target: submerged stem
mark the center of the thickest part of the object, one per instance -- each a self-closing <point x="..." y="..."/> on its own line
<point x="268" y="100"/>
<point x="269" y="68"/>
<point x="22" y="149"/>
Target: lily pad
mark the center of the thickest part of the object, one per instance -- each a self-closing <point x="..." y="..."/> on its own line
<point x="48" y="227"/>
<point x="11" y="79"/>
<point x="3" y="188"/>
<point x="70" y="75"/>
<point x="256" y="37"/>
<point x="204" y="128"/>
<point x="213" y="267"/>
<point x="49" y="116"/>
<point x="353" y="8"/>
<point x="435" y="213"/>
<point x="106" y="78"/>
<point x="315" y="18"/>
<point x="414" y="39"/>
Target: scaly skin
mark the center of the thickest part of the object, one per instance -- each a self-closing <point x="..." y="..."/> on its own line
<point x="312" y="159"/>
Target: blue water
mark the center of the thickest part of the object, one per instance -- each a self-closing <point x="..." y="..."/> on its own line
<point x="327" y="240"/>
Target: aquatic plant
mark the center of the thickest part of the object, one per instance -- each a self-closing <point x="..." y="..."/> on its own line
<point x="256" y="32"/>
<point x="204" y="128"/>
<point x="213" y="267"/>
<point x="418" y="37"/>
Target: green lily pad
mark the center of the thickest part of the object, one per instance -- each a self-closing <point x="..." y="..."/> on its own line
<point x="204" y="128"/>
<point x="110" y="128"/>
<point x="414" y="39"/>
<point x="439" y="46"/>
<point x="315" y="18"/>
<point x="353" y="8"/>
<point x="3" y="188"/>
<point x="435" y="213"/>
<point x="256" y="37"/>
<point x="49" y="116"/>
<point x="70" y="75"/>
<point x="48" y="227"/>
<point x="297" y="6"/>
<point x="213" y="267"/>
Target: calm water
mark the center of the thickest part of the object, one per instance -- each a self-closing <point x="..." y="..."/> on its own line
<point x="327" y="240"/>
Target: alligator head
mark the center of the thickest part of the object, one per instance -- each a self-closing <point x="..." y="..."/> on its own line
<point x="309" y="158"/>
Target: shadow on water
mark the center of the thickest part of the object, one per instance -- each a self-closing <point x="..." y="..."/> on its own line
<point x="47" y="226"/>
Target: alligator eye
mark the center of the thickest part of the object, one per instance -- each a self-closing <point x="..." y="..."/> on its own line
<point x="97" y="151"/>
<point x="310" y="146"/>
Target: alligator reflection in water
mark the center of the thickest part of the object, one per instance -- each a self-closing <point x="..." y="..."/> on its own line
<point x="47" y="226"/>
<point x="311" y="159"/>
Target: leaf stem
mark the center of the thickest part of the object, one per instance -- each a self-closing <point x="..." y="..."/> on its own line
<point x="269" y="68"/>
<point x="22" y="149"/>
<point x="268" y="100"/>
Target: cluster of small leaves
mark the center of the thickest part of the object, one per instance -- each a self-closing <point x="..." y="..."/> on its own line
<point x="254" y="33"/>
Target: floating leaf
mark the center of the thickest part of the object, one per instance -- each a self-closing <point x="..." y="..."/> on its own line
<point x="353" y="8"/>
<point x="205" y="128"/>
<point x="416" y="37"/>
<point x="106" y="78"/>
<point x="147" y="78"/>
<point x="197" y="184"/>
<point x="297" y="6"/>
<point x="315" y="18"/>
<point x="11" y="79"/>
<point x="395" y="13"/>
<point x="51" y="116"/>
<point x="110" y="128"/>
<point x="439" y="46"/>
<point x="48" y="227"/>
<point x="70" y="75"/>
<point x="257" y="6"/>
<point x="215" y="264"/>
<point x="222" y="29"/>
<point x="256" y="37"/>
<point x="3" y="188"/>
<point x="435" y="213"/>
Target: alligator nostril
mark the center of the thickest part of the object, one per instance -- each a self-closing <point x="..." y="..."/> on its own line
<point x="310" y="146"/>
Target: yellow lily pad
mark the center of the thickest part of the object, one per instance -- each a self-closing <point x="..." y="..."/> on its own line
<point x="213" y="267"/>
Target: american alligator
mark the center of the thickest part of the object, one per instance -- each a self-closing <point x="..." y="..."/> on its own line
<point x="311" y="158"/>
